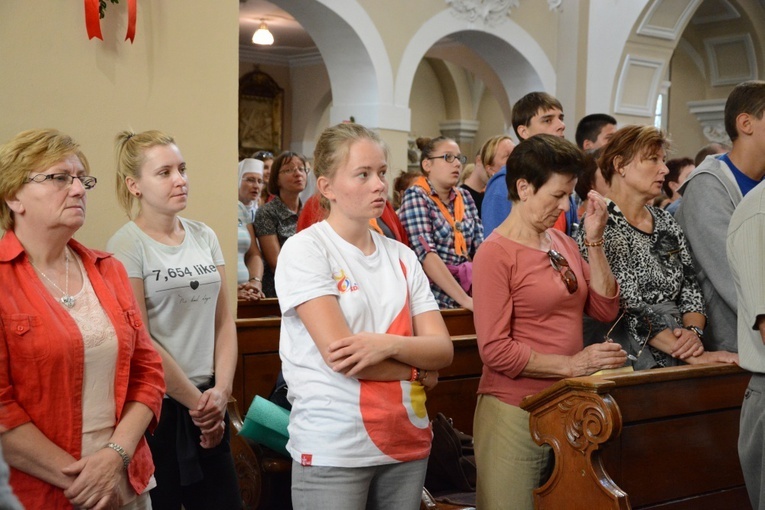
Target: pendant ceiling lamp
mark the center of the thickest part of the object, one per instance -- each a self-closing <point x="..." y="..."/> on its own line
<point x="262" y="35"/>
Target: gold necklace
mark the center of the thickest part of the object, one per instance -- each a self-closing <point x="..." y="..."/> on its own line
<point x="66" y="300"/>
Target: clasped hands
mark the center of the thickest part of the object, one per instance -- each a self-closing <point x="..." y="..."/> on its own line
<point x="208" y="416"/>
<point x="96" y="480"/>
<point x="688" y="347"/>
<point x="248" y="291"/>
<point x="688" y="344"/>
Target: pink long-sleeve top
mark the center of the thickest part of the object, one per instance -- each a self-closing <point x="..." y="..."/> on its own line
<point x="522" y="304"/>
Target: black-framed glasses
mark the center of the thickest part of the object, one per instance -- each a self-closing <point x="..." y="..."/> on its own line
<point x="65" y="180"/>
<point x="261" y="155"/>
<point x="449" y="158"/>
<point x="560" y="264"/>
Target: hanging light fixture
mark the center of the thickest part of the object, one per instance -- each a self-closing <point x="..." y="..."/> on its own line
<point x="262" y="35"/>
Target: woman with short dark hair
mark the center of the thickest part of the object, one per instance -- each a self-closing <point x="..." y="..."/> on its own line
<point x="531" y="288"/>
<point x="276" y="221"/>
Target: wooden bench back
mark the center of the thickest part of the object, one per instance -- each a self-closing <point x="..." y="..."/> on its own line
<point x="665" y="437"/>
<point x="258" y="365"/>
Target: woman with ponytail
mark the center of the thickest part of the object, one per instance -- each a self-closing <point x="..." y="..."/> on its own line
<point x="176" y="270"/>
<point x="442" y="222"/>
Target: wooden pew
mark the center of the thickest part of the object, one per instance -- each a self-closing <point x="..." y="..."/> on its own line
<point x="664" y="438"/>
<point x="459" y="321"/>
<point x="263" y="478"/>
<point x="258" y="362"/>
<point x="455" y="394"/>
<point x="268" y="307"/>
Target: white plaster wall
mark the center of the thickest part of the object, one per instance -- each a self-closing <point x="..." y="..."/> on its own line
<point x="610" y="24"/>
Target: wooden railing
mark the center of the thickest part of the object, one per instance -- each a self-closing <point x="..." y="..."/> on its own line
<point x="664" y="438"/>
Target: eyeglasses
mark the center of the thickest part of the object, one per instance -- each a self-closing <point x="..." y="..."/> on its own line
<point x="263" y="155"/>
<point x="65" y="180"/>
<point x="252" y="180"/>
<point x="630" y="357"/>
<point x="293" y="171"/>
<point x="560" y="264"/>
<point x="449" y="157"/>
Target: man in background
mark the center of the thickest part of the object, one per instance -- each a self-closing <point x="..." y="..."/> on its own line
<point x="594" y="131"/>
<point x="710" y="195"/>
<point x="534" y="113"/>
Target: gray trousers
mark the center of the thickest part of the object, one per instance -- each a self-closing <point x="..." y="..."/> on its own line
<point x="751" y="441"/>
<point x="389" y="486"/>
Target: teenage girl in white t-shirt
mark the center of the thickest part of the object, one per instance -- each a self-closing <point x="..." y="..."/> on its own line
<point x="361" y="340"/>
<point x="176" y="270"/>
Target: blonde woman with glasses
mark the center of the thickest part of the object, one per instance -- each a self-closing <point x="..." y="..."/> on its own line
<point x="80" y="381"/>
<point x="276" y="221"/>
<point x="531" y="288"/>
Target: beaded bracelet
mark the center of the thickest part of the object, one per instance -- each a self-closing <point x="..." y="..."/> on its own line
<point x="122" y="453"/>
<point x="595" y="243"/>
<point x="255" y="278"/>
<point x="415" y="374"/>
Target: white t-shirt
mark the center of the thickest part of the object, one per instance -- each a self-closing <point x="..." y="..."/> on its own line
<point x="338" y="420"/>
<point x="243" y="241"/>
<point x="181" y="285"/>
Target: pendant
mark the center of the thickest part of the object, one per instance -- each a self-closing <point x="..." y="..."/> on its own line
<point x="67" y="301"/>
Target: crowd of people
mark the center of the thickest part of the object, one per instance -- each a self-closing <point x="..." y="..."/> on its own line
<point x="549" y="243"/>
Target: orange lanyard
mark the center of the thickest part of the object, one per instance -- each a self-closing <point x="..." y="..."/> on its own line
<point x="374" y="226"/>
<point x="456" y="221"/>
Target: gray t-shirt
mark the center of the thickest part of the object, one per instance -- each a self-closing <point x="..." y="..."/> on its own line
<point x="181" y="287"/>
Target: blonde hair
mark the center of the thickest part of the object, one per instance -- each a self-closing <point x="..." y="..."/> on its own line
<point x="333" y="147"/>
<point x="130" y="150"/>
<point x="31" y="151"/>
<point x="489" y="149"/>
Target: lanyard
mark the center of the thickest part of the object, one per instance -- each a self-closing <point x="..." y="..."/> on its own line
<point x="460" y="245"/>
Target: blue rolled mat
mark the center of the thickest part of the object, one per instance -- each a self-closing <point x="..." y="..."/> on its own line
<point x="266" y="424"/>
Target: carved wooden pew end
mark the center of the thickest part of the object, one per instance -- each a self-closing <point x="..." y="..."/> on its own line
<point x="659" y="438"/>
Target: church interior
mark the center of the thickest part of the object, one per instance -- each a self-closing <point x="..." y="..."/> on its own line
<point x="404" y="69"/>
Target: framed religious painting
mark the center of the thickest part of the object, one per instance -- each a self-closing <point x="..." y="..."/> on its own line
<point x="261" y="103"/>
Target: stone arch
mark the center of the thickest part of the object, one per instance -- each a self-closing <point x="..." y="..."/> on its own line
<point x="512" y="54"/>
<point x="455" y="88"/>
<point x="311" y="132"/>
<point x="638" y="63"/>
<point x="357" y="62"/>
